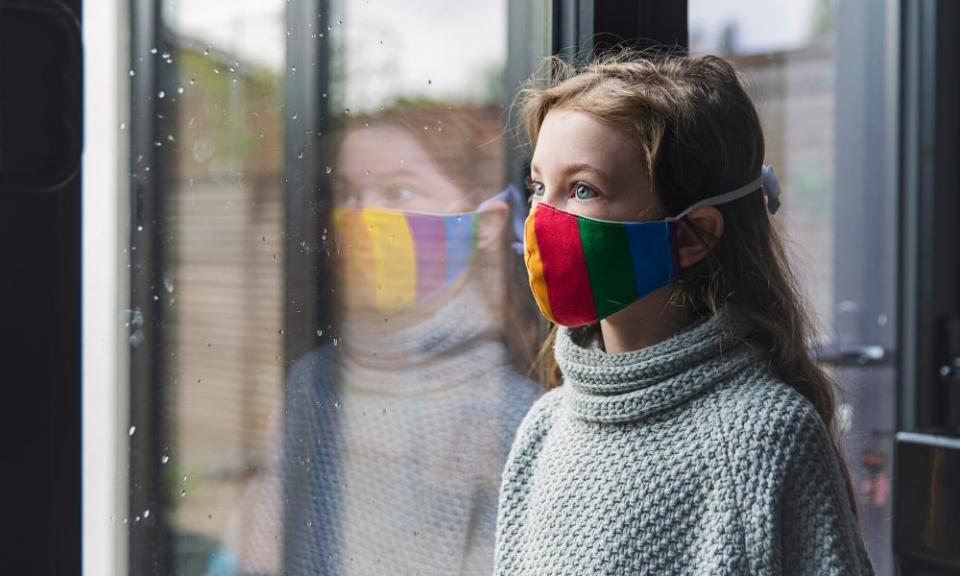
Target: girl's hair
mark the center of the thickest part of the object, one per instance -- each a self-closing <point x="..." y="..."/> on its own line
<point x="700" y="135"/>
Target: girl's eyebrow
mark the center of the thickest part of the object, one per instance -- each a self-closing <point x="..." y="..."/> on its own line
<point x="577" y="167"/>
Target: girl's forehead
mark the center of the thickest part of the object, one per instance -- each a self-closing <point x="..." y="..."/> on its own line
<point x="570" y="140"/>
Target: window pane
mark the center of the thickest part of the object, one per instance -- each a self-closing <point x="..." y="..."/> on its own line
<point x="821" y="73"/>
<point x="341" y="374"/>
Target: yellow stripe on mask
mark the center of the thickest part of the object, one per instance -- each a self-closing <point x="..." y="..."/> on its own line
<point x="394" y="260"/>
<point x="538" y="283"/>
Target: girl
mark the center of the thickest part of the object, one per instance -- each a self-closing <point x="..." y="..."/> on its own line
<point x="693" y="431"/>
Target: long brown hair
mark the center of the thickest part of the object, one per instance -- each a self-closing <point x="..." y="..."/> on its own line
<point x="700" y="135"/>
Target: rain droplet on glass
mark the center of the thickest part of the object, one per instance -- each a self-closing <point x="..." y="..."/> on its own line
<point x="133" y="430"/>
<point x="161" y="94"/>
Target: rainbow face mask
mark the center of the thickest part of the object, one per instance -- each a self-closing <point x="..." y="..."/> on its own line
<point x="391" y="260"/>
<point x="582" y="270"/>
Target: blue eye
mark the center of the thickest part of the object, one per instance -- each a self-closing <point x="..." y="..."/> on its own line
<point x="534" y="187"/>
<point x="584" y="192"/>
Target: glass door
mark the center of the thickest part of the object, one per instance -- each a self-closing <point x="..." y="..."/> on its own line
<point x="327" y="371"/>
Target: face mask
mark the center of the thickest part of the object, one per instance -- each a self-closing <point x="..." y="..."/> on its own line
<point x="582" y="270"/>
<point x="391" y="260"/>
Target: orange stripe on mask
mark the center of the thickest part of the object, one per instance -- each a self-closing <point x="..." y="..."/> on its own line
<point x="535" y="267"/>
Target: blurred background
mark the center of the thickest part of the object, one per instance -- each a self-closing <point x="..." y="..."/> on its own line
<point x="214" y="370"/>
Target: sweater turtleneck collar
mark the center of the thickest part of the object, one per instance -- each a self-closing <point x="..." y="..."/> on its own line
<point x="629" y="386"/>
<point x="459" y="343"/>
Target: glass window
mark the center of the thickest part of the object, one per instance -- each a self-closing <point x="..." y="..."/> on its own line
<point x="339" y="367"/>
<point x="821" y="73"/>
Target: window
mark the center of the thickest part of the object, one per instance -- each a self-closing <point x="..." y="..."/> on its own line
<point x="326" y="369"/>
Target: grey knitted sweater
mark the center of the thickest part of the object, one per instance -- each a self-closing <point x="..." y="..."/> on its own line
<point x="684" y="457"/>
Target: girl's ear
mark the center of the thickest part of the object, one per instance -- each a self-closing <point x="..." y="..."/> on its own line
<point x="697" y="234"/>
<point x="493" y="217"/>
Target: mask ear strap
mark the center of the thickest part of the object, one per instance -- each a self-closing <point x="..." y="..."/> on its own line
<point x="512" y="196"/>
<point x="502" y="196"/>
<point x="767" y="181"/>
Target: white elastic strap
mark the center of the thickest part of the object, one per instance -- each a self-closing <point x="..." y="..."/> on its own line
<point x="767" y="181"/>
<point x="723" y="198"/>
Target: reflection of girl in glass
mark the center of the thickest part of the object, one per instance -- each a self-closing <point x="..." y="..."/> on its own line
<point x="395" y="433"/>
<point x="692" y="432"/>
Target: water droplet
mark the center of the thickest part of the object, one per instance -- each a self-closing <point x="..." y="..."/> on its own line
<point x="165" y="55"/>
<point x="179" y="89"/>
<point x="193" y="80"/>
<point x="184" y="477"/>
<point x="429" y="81"/>
<point x="336" y="404"/>
<point x="183" y="493"/>
<point x="140" y="228"/>
<point x="300" y="155"/>
<point x="165" y="459"/>
<point x="206" y="51"/>
<point x="123" y="125"/>
<point x="294" y="117"/>
<point x="133" y="430"/>
<point x="146" y="514"/>
<point x="133" y="72"/>
<point x="329" y="170"/>
<point x="319" y="332"/>
<point x="293" y="69"/>
<point x="346" y="111"/>
<point x="153" y="50"/>
<point x="161" y="94"/>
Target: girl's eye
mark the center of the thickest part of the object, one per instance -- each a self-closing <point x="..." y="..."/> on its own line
<point x="398" y="194"/>
<point x="584" y="192"/>
<point x="534" y="187"/>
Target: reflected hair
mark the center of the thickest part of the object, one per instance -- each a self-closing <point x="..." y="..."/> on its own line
<point x="698" y="133"/>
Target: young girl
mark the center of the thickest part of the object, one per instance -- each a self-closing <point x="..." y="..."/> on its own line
<point x="693" y="431"/>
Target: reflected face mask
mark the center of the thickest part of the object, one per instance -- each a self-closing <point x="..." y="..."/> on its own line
<point x="391" y="260"/>
<point x="582" y="270"/>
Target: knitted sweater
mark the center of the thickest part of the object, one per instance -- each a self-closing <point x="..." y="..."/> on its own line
<point x="684" y="457"/>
